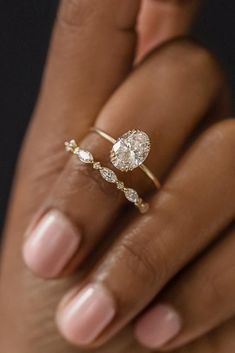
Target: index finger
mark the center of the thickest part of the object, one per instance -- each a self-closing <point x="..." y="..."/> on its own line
<point x="91" y="52"/>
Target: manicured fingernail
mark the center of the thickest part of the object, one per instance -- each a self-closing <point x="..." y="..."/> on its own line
<point x="51" y="245"/>
<point x="83" y="319"/>
<point x="158" y="326"/>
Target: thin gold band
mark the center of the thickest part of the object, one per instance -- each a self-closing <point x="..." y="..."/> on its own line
<point x="145" y="169"/>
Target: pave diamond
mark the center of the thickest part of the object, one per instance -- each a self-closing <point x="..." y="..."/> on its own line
<point x="70" y="146"/>
<point x="97" y="165"/>
<point x="85" y="156"/>
<point x="144" y="207"/>
<point x="131" y="195"/>
<point x="120" y="185"/>
<point x="130" y="150"/>
<point x="108" y="175"/>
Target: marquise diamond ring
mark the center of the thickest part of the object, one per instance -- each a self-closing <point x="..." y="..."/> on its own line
<point x="107" y="174"/>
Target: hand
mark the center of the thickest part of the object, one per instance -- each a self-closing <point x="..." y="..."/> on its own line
<point x="188" y="214"/>
<point x="37" y="170"/>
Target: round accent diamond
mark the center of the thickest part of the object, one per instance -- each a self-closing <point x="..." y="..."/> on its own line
<point x="108" y="175"/>
<point x="130" y="150"/>
<point x="70" y="146"/>
<point x="131" y="195"/>
<point x="144" y="208"/>
<point x="85" y="156"/>
<point x="120" y="185"/>
<point x="97" y="165"/>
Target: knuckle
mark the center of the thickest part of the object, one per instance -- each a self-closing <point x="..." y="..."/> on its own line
<point x="140" y="263"/>
<point x="200" y="57"/>
<point x="119" y="14"/>
<point x="146" y="262"/>
<point x="84" y="176"/>
<point x="190" y="60"/>
<point x="73" y="13"/>
<point x="197" y="55"/>
<point x="222" y="134"/>
<point x="77" y="177"/>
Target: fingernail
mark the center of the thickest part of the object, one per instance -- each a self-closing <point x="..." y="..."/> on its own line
<point x="51" y="245"/>
<point x="158" y="326"/>
<point x="87" y="315"/>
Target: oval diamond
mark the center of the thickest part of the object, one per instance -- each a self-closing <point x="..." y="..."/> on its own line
<point x="85" y="156"/>
<point x="108" y="175"/>
<point x="130" y="150"/>
<point x="131" y="195"/>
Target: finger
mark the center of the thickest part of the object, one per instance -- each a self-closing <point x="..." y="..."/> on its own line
<point x="74" y="90"/>
<point x="194" y="205"/>
<point x="202" y="297"/>
<point x="220" y="340"/>
<point x="79" y="192"/>
<point x="160" y="20"/>
<point x="80" y="76"/>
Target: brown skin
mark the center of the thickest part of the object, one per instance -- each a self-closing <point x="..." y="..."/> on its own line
<point x="162" y="89"/>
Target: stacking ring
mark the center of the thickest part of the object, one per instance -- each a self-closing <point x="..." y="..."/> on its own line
<point x="130" y="151"/>
<point x="107" y="174"/>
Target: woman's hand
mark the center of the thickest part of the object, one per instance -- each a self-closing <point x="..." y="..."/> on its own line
<point x="195" y="204"/>
<point x="173" y="95"/>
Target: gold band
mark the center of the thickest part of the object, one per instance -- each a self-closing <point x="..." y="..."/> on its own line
<point x="143" y="167"/>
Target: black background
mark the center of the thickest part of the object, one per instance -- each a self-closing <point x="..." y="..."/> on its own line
<point x="25" y="27"/>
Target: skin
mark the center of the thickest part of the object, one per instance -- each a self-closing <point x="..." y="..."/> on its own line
<point x="194" y="144"/>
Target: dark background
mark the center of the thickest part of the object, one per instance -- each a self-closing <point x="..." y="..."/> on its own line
<point x="25" y="27"/>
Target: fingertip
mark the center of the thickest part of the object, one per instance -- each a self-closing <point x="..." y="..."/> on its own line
<point x="82" y="319"/>
<point x="158" y="326"/>
<point x="50" y="245"/>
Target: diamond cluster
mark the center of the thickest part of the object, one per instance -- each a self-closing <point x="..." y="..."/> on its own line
<point x="107" y="174"/>
<point x="130" y="150"/>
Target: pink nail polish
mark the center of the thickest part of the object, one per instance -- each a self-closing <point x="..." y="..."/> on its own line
<point x="51" y="245"/>
<point x="87" y="315"/>
<point x="158" y="326"/>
